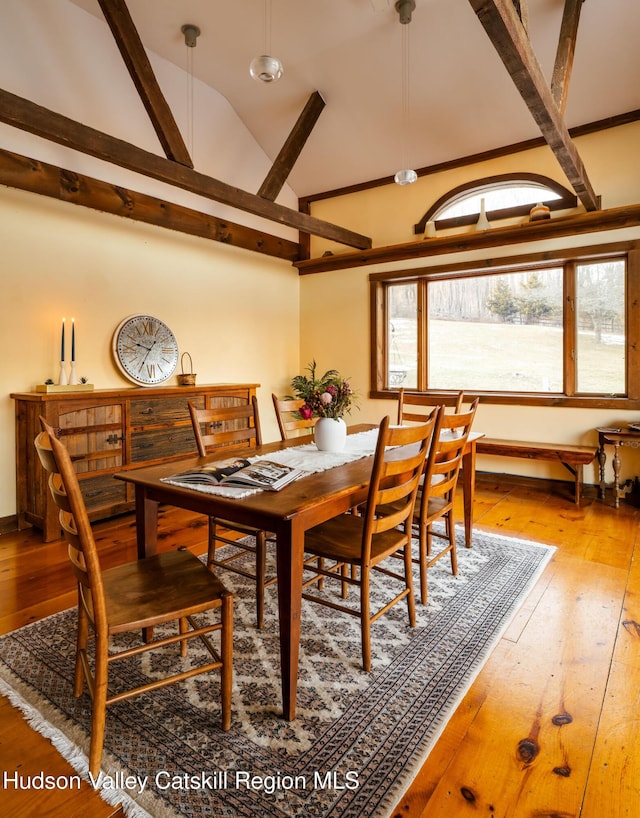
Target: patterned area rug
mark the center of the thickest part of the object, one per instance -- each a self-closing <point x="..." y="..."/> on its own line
<point x="359" y="738"/>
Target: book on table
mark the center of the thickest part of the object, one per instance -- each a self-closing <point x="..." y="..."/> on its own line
<point x="259" y="474"/>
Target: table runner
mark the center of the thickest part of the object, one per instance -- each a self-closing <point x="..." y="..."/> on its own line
<point x="307" y="458"/>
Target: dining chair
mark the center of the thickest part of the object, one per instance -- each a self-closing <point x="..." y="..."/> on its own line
<point x="290" y="423"/>
<point x="223" y="430"/>
<point x="363" y="542"/>
<point x="415" y="406"/>
<point x="436" y="493"/>
<point x="139" y="596"/>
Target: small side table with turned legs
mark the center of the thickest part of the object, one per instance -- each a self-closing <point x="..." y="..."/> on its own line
<point x="617" y="437"/>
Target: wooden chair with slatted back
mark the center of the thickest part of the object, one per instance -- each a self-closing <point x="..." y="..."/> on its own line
<point x="366" y="541"/>
<point x="289" y="421"/>
<point x="416" y="406"/>
<point x="223" y="430"/>
<point x="436" y="495"/>
<point x="170" y="587"/>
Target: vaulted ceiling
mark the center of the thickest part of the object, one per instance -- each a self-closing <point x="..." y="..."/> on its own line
<point x="483" y="74"/>
<point x="462" y="100"/>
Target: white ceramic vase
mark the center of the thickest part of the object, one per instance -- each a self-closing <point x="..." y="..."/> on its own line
<point x="483" y="222"/>
<point x="330" y="434"/>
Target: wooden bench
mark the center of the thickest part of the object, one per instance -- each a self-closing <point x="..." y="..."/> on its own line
<point x="573" y="458"/>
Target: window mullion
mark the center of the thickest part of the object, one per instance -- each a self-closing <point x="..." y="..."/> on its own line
<point x="632" y="299"/>
<point x="570" y="346"/>
<point x="423" y="335"/>
<point x="378" y="338"/>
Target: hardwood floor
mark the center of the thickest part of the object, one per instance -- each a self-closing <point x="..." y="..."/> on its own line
<point x="550" y="727"/>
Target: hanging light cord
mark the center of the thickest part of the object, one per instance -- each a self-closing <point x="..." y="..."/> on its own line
<point x="267" y="27"/>
<point x="190" y="104"/>
<point x="405" y="93"/>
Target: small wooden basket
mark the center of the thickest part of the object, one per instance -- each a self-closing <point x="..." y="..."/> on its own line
<point x="186" y="378"/>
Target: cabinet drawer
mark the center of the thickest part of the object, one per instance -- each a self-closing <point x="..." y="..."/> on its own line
<point x="162" y="410"/>
<point x="103" y="492"/>
<point x="154" y="444"/>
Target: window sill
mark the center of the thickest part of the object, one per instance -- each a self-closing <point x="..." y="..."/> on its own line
<point x="529" y="399"/>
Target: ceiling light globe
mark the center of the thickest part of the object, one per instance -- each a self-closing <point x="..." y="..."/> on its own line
<point x="266" y="69"/>
<point x="405" y="177"/>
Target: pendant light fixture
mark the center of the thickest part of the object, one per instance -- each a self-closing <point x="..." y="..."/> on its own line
<point x="405" y="9"/>
<point x="191" y="34"/>
<point x="265" y="68"/>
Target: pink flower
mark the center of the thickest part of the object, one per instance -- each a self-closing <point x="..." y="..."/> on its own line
<point x="305" y="411"/>
<point x="326" y="397"/>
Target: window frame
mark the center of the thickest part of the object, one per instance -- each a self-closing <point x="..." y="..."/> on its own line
<point x="569" y="258"/>
<point x="566" y="201"/>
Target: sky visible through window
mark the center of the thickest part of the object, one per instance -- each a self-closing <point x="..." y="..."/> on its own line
<point x="498" y="197"/>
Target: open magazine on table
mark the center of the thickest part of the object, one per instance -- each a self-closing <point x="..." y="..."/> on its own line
<point x="259" y="474"/>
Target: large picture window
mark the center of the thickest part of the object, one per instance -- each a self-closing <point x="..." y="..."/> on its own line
<point x="500" y="329"/>
<point x="539" y="329"/>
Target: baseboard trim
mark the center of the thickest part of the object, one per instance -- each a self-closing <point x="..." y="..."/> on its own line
<point x="8" y="524"/>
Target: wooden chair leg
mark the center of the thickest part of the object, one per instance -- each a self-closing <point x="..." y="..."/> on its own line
<point x="365" y="618"/>
<point x="345" y="585"/>
<point x="183" y="626"/>
<point x="424" y="545"/>
<point x="452" y="540"/>
<point x="81" y="649"/>
<point x="98" y="714"/>
<point x="261" y="572"/>
<point x="226" y="654"/>
<point x="211" y="548"/>
<point x="408" y="576"/>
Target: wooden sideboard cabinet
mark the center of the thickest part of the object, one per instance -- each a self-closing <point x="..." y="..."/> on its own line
<point x="107" y="431"/>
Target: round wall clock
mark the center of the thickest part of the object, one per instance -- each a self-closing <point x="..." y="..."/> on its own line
<point x="145" y="349"/>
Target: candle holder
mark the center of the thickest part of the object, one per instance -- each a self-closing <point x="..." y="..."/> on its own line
<point x="63" y="380"/>
<point x="73" y="377"/>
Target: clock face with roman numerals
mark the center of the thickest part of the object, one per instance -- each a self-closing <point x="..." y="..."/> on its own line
<point x="145" y="350"/>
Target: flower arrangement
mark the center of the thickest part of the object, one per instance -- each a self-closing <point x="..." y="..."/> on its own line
<point x="329" y="396"/>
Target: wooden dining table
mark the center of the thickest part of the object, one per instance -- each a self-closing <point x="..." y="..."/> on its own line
<point x="287" y="513"/>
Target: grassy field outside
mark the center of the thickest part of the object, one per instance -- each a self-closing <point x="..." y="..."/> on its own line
<point x="480" y="356"/>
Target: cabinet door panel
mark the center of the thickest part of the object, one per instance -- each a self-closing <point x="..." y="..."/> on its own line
<point x="155" y="444"/>
<point x="93" y="437"/>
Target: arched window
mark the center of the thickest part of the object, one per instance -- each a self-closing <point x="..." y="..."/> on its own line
<point x="506" y="196"/>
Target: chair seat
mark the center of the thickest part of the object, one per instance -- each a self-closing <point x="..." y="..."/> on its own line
<point x="158" y="589"/>
<point x="341" y="539"/>
<point x="436" y="506"/>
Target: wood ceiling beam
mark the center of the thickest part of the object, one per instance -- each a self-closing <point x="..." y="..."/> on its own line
<point x="28" y="116"/>
<point x="565" y="53"/>
<point x="501" y="22"/>
<point x="291" y="149"/>
<point x="522" y="8"/>
<point x="135" y="58"/>
<point x="24" y="173"/>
